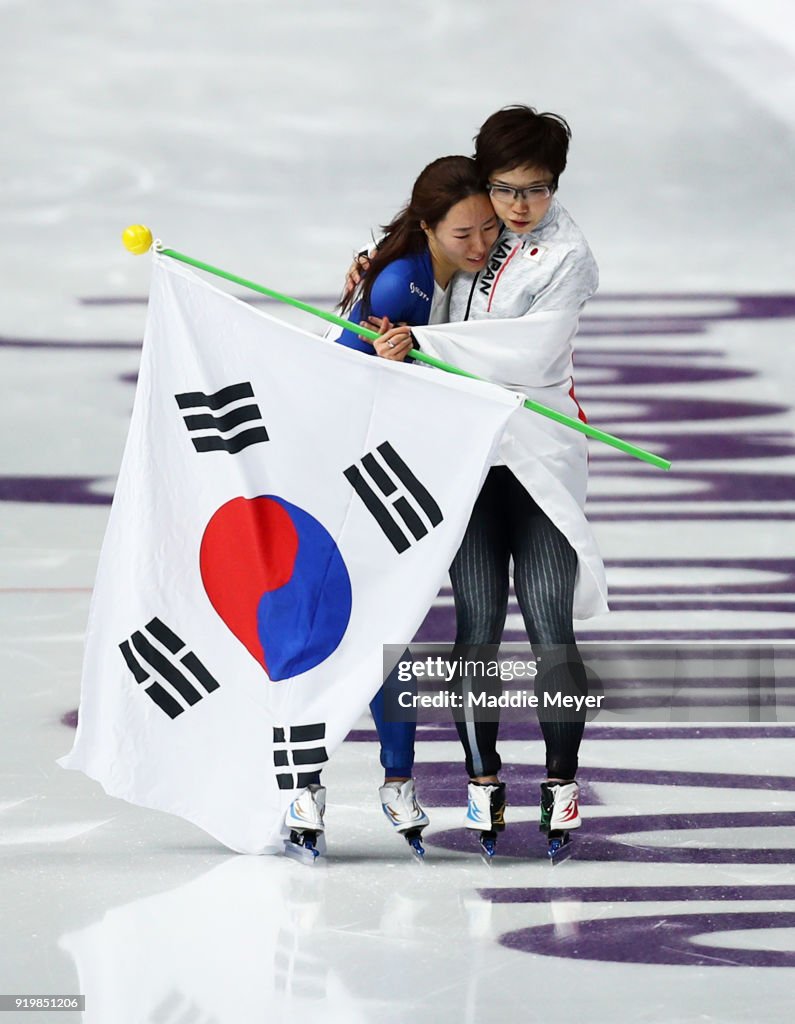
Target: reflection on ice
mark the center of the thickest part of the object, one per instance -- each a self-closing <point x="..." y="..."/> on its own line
<point x="245" y="936"/>
<point x="256" y="933"/>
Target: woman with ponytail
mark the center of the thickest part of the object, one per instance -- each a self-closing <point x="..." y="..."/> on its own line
<point x="448" y="225"/>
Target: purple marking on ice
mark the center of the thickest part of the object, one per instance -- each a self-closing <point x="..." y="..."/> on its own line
<point x="761" y="699"/>
<point x="441" y="733"/>
<point x="616" y="371"/>
<point x="70" y="718"/>
<point x="439" y="627"/>
<point x="763" y="307"/>
<point x="677" y="732"/>
<point x="663" y="410"/>
<point x="53" y="490"/>
<point x="437" y="733"/>
<point x="113" y="300"/>
<point x="729" y="487"/>
<point x="442" y="783"/>
<point x="783" y="568"/>
<point x="252" y="300"/>
<point x="757" y="307"/>
<point x="68" y="345"/>
<point x="748" y="635"/>
<point x="613" y="327"/>
<point x="699" y="604"/>
<point x="601" y="839"/>
<point x="685" y="517"/>
<point x="703" y="780"/>
<point x="687" y="447"/>
<point x="631" y="353"/>
<point x="656" y="939"/>
<point x="685" y="683"/>
<point x="639" y="893"/>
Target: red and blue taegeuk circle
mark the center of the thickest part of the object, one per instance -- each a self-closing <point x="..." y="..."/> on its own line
<point x="277" y="579"/>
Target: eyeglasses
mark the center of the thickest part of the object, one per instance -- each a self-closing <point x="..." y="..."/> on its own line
<point x="508" y="194"/>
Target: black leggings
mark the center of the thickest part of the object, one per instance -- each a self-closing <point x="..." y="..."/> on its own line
<point x="506" y="522"/>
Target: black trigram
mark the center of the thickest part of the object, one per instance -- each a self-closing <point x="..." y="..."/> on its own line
<point x="300" y="752"/>
<point x="391" y="477"/>
<point x="145" y="660"/>
<point x="227" y="422"/>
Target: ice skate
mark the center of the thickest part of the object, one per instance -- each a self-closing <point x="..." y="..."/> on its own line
<point x="304" y="820"/>
<point x="486" y="813"/>
<point x="399" y="802"/>
<point x="560" y="813"/>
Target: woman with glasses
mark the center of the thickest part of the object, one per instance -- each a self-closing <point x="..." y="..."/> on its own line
<point x="448" y="226"/>
<point x="538" y="276"/>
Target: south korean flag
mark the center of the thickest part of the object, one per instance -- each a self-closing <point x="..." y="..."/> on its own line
<point x="285" y="507"/>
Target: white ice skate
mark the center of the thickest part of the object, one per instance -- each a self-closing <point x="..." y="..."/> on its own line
<point x="400" y="805"/>
<point x="304" y="820"/>
<point x="560" y="813"/>
<point x="486" y="814"/>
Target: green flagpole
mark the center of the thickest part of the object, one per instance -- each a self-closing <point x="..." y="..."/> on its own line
<point x="137" y="239"/>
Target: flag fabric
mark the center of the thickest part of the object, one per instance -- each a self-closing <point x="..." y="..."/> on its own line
<point x="533" y="355"/>
<point x="284" y="508"/>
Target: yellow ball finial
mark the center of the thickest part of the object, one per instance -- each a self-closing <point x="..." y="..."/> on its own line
<point x="137" y="239"/>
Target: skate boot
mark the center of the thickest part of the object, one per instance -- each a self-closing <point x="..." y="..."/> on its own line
<point x="304" y="819"/>
<point x="559" y="814"/>
<point x="399" y="801"/>
<point x="486" y="813"/>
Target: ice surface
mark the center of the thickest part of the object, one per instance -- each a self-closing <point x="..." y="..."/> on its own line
<point x="270" y="139"/>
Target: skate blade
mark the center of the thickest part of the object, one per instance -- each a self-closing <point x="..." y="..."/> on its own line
<point x="417" y="851"/>
<point x="308" y="853"/>
<point x="559" y="850"/>
<point x="488" y="849"/>
<point x="413" y="837"/>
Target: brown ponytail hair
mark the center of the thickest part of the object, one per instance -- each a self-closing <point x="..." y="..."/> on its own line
<point x="439" y="187"/>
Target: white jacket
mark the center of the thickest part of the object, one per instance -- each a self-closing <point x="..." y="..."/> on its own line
<point x="520" y="316"/>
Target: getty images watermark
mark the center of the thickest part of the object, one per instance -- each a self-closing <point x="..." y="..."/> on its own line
<point x="446" y="670"/>
<point x="616" y="682"/>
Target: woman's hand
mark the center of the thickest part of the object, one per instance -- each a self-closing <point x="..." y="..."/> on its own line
<point x="381" y="324"/>
<point x="355" y="273"/>
<point x="394" y="343"/>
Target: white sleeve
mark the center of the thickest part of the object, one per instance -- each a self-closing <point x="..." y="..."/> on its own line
<point x="572" y="284"/>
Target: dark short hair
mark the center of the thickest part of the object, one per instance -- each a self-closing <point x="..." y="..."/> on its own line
<point x="519" y="135"/>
